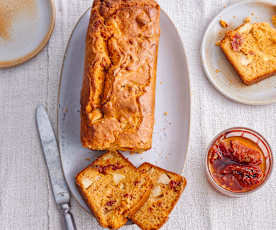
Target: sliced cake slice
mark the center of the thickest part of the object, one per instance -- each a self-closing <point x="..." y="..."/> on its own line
<point x="113" y="189"/>
<point x="167" y="188"/>
<point x="251" y="49"/>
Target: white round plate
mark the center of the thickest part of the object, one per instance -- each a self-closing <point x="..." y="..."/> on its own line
<point x="227" y="80"/>
<point x="25" y="28"/>
<point x="172" y="115"/>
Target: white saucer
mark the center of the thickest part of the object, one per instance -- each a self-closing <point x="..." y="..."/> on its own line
<point x="25" y="28"/>
<point x="218" y="70"/>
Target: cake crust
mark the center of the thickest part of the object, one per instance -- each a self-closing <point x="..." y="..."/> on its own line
<point x="118" y="92"/>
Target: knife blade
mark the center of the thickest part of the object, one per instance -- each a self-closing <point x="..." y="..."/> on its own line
<point x="51" y="155"/>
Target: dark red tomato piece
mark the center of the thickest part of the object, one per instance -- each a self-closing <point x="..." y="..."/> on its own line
<point x="246" y="175"/>
<point x="243" y="154"/>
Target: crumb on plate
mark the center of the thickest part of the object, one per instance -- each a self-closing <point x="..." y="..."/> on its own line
<point x="165" y="113"/>
<point x="247" y="19"/>
<point x="217" y="71"/>
<point x="223" y="23"/>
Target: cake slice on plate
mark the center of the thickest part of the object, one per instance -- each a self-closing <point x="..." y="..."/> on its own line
<point x="113" y="189"/>
<point x="251" y="49"/>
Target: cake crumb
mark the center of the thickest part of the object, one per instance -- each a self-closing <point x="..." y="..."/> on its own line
<point x="87" y="159"/>
<point x="165" y="113"/>
<point x="247" y="19"/>
<point x="218" y="43"/>
<point x="234" y="17"/>
<point x="217" y="71"/>
<point x="161" y="82"/>
<point x="273" y="19"/>
<point x="223" y="23"/>
<point x="252" y="14"/>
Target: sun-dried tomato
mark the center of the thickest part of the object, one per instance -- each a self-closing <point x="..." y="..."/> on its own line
<point x="102" y="169"/>
<point x="246" y="175"/>
<point x="236" y="42"/>
<point x="175" y="185"/>
<point x="215" y="154"/>
<point x="237" y="152"/>
<point x="243" y="154"/>
<point x="159" y="203"/>
<point x="110" y="203"/>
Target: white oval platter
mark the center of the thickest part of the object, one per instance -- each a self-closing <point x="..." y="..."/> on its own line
<point x="172" y="115"/>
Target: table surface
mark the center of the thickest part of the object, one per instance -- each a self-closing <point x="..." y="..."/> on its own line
<point x="26" y="201"/>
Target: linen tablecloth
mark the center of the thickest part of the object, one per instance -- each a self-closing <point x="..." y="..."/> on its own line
<point x="26" y="201"/>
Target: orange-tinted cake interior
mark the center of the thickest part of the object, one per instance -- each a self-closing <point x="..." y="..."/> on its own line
<point x="251" y="49"/>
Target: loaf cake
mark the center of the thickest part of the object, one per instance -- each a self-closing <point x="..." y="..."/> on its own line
<point x="167" y="188"/>
<point x="273" y="20"/>
<point x="118" y="92"/>
<point x="113" y="189"/>
<point x="251" y="49"/>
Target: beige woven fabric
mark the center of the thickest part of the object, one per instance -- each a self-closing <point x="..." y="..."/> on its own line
<point x="26" y="202"/>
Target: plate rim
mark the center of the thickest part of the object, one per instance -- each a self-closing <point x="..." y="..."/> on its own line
<point x="204" y="63"/>
<point x="58" y="108"/>
<point x="58" y="124"/>
<point x="43" y="43"/>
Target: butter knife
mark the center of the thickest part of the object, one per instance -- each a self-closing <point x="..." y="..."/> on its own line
<point x="51" y="155"/>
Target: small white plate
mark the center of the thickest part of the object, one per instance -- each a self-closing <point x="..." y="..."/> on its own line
<point x="25" y="28"/>
<point x="172" y="109"/>
<point x="227" y="80"/>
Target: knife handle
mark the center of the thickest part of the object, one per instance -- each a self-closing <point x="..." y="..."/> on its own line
<point x="69" y="220"/>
